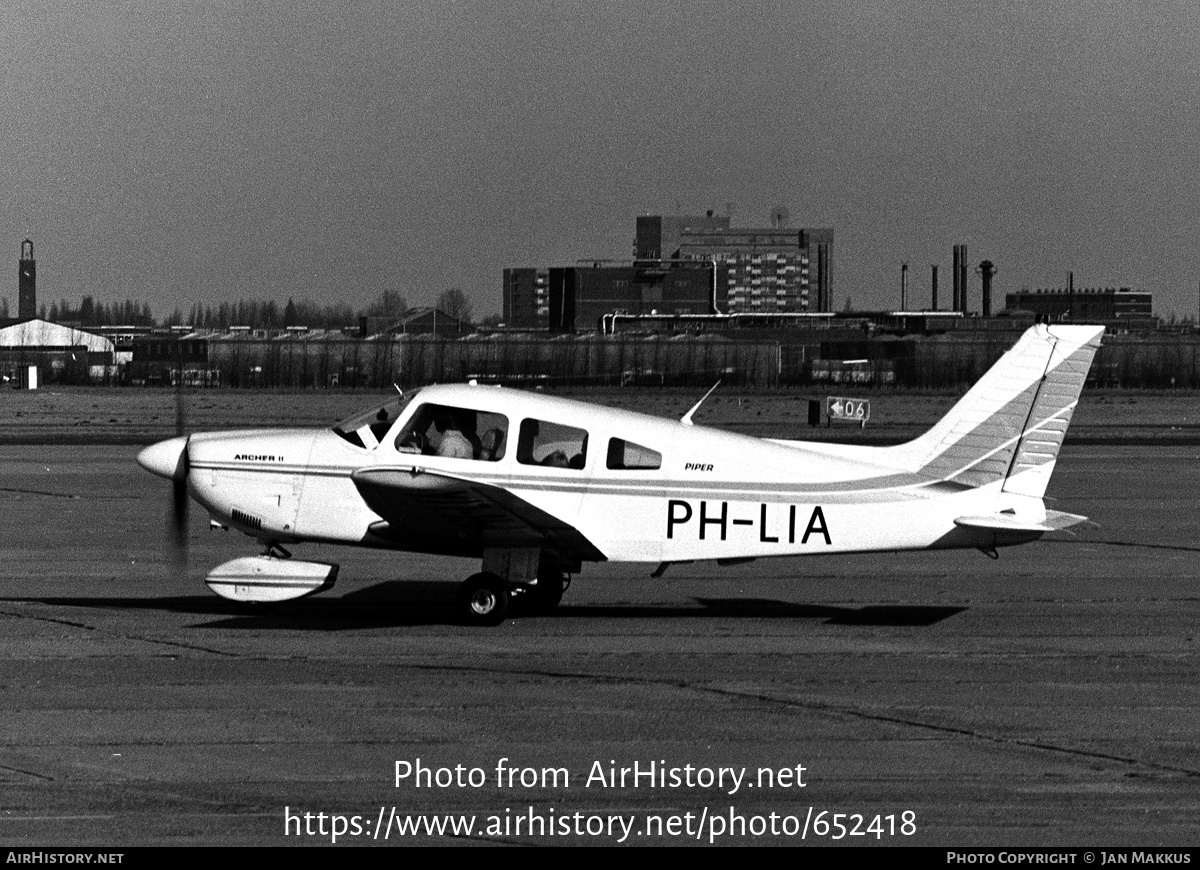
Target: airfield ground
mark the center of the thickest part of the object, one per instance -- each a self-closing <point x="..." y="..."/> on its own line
<point x="1047" y="698"/>
<point x="140" y="416"/>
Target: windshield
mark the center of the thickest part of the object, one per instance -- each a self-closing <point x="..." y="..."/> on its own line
<point x="367" y="428"/>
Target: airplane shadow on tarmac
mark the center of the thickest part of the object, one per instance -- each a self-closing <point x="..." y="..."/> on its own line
<point x="417" y="602"/>
<point x="1136" y="544"/>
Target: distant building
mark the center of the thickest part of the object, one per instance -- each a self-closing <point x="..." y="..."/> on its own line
<point x="44" y="334"/>
<point x="63" y="354"/>
<point x="683" y="265"/>
<point x="581" y="296"/>
<point x="526" y="298"/>
<point x="415" y="321"/>
<point x="760" y="269"/>
<point x="1120" y="307"/>
<point x="429" y="321"/>
<point x="660" y="237"/>
<point x="167" y="357"/>
<point x="122" y="337"/>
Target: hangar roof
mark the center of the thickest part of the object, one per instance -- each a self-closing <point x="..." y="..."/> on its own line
<point x="43" y="333"/>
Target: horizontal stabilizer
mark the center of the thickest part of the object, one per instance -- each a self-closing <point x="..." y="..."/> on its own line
<point x="1006" y="522"/>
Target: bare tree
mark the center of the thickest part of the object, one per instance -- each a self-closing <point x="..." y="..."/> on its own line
<point x="456" y="303"/>
<point x="389" y="303"/>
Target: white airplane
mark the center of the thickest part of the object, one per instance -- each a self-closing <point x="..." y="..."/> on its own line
<point x="534" y="486"/>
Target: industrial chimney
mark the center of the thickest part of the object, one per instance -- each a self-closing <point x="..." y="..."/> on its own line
<point x="960" y="278"/>
<point x="985" y="272"/>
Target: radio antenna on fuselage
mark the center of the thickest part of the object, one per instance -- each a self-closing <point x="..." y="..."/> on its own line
<point x="686" y="419"/>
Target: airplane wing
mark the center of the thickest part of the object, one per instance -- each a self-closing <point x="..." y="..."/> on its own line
<point x="462" y="516"/>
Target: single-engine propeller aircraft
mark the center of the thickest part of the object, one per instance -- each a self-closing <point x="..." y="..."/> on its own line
<point x="534" y="486"/>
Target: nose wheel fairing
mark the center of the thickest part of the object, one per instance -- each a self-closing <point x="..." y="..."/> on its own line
<point x="269" y="580"/>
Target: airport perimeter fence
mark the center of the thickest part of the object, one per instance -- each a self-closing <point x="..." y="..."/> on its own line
<point x="1127" y="361"/>
<point x="414" y="361"/>
<point x="909" y="362"/>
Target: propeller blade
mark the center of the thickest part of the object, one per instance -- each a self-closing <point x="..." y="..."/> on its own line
<point x="179" y="532"/>
<point x="179" y="492"/>
<point x="180" y="405"/>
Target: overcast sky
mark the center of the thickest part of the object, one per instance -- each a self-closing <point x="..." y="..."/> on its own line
<point x="207" y="151"/>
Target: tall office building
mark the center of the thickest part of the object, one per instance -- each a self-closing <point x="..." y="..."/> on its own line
<point x="772" y="270"/>
<point x="660" y="237"/>
<point x="526" y="298"/>
<point x="759" y="269"/>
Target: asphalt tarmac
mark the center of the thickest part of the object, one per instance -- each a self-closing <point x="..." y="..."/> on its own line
<point x="1047" y="698"/>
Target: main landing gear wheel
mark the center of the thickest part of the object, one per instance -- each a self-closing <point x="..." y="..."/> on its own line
<point x="483" y="599"/>
<point x="544" y="596"/>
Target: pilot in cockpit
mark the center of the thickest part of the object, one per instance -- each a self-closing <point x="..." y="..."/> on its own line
<point x="454" y="434"/>
<point x="440" y="430"/>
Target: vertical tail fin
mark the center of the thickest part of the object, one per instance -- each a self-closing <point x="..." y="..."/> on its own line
<point x="1010" y="425"/>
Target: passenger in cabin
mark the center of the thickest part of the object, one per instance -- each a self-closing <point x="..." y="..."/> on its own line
<point x="552" y="445"/>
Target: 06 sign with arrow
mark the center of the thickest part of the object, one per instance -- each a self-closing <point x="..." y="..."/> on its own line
<point x="843" y="410"/>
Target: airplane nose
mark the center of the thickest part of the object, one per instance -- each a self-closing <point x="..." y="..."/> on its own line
<point x="166" y="458"/>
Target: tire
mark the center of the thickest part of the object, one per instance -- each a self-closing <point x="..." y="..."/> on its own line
<point x="483" y="600"/>
<point x="545" y="595"/>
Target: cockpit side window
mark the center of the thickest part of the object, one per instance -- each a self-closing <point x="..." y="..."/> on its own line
<point x="455" y="433"/>
<point x="626" y="456"/>
<point x="367" y="428"/>
<point x="551" y="444"/>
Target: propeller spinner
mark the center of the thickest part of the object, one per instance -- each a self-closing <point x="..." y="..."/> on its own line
<point x="169" y="459"/>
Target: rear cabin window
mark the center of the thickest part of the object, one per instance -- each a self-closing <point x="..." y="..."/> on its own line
<point x="457" y="433"/>
<point x="626" y="456"/>
<point x="551" y="444"/>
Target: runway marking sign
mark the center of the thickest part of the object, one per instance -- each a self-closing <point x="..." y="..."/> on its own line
<point x="839" y="409"/>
